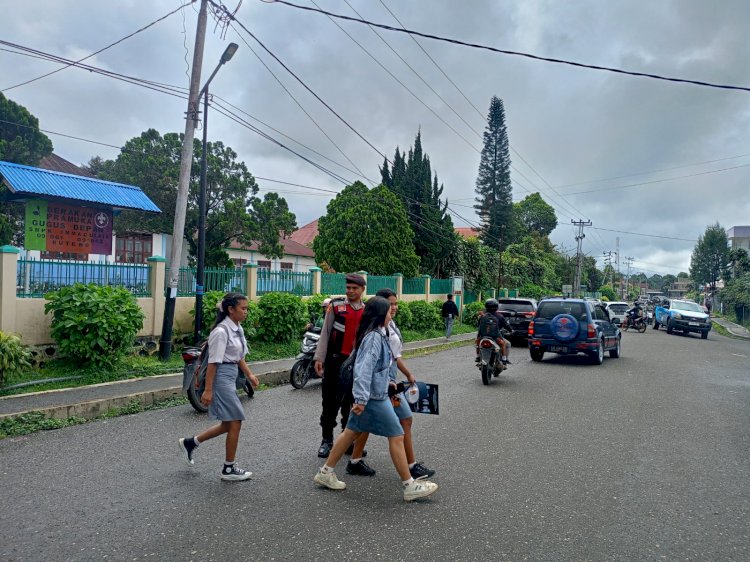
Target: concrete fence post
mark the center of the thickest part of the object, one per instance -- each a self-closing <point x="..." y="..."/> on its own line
<point x="364" y="274"/>
<point x="399" y="285"/>
<point x="157" y="272"/>
<point x="317" y="280"/>
<point x="251" y="277"/>
<point x="426" y="287"/>
<point x="8" y="267"/>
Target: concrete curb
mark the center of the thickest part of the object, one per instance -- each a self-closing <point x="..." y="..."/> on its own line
<point x="735" y="330"/>
<point x="91" y="409"/>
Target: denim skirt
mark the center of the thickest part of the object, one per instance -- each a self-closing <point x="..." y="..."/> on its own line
<point x="402" y="410"/>
<point x="378" y="418"/>
<point x="226" y="405"/>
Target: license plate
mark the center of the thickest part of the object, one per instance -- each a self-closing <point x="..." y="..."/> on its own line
<point x="693" y="324"/>
<point x="555" y="349"/>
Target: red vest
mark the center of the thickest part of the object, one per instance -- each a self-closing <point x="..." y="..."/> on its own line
<point x="345" y="325"/>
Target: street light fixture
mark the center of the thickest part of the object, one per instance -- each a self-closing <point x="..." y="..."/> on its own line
<point x="200" y="272"/>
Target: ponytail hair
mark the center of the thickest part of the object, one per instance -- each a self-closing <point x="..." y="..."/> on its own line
<point x="373" y="317"/>
<point x="222" y="307"/>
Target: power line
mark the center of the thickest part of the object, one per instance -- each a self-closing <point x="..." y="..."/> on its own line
<point x="514" y="53"/>
<point x="99" y="51"/>
<point x="641" y="234"/>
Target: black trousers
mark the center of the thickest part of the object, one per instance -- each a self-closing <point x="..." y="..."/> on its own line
<point x="333" y="401"/>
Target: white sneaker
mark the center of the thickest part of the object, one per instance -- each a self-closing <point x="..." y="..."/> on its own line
<point x="329" y="480"/>
<point x="235" y="474"/>
<point x="419" y="489"/>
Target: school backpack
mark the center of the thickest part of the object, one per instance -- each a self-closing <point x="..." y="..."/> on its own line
<point x="489" y="326"/>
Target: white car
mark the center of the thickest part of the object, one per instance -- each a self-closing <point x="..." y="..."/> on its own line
<point x="617" y="310"/>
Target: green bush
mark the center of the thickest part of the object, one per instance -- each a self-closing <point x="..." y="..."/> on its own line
<point x="471" y="313"/>
<point x="14" y="357"/>
<point x="283" y="317"/>
<point x="404" y="317"/>
<point x="439" y="307"/>
<point x="92" y="324"/>
<point x="315" y="306"/>
<point x="529" y="290"/>
<point x="425" y="316"/>
<point x="211" y="299"/>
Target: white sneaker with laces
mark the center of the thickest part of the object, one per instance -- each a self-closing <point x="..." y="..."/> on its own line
<point x="235" y="474"/>
<point x="329" y="480"/>
<point x="419" y="489"/>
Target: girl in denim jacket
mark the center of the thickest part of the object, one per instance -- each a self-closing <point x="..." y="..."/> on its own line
<point x="373" y="412"/>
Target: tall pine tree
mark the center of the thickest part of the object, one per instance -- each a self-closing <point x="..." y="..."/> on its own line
<point x="411" y="178"/>
<point x="494" y="201"/>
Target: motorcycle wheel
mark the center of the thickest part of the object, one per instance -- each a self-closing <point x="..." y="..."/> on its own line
<point x="625" y="326"/>
<point x="194" y="397"/>
<point x="486" y="374"/>
<point x="299" y="375"/>
<point x="642" y="327"/>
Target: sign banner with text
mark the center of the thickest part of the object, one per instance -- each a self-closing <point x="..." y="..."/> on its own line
<point x="57" y="227"/>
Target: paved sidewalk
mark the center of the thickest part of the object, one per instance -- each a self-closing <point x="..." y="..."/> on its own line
<point x="734" y="329"/>
<point x="94" y="400"/>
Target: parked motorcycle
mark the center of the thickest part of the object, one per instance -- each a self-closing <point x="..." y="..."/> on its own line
<point x="304" y="369"/>
<point x="194" y="377"/>
<point x="638" y="323"/>
<point x="490" y="359"/>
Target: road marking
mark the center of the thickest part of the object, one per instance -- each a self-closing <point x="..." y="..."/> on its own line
<point x="739" y="355"/>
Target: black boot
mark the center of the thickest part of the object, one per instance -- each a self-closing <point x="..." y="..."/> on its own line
<point x="325" y="448"/>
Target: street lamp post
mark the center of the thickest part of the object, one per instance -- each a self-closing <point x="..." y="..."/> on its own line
<point x="200" y="272"/>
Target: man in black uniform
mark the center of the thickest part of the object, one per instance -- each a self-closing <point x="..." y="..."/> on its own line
<point x="490" y="325"/>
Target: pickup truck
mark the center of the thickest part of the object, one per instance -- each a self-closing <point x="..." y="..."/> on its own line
<point x="681" y="315"/>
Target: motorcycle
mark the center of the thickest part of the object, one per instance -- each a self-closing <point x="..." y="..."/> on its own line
<point x="490" y="359"/>
<point x="194" y="377"/>
<point x="304" y="369"/>
<point x="638" y="323"/>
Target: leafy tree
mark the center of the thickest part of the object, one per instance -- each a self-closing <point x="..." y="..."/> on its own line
<point x="710" y="256"/>
<point x="535" y="215"/>
<point x="682" y="275"/>
<point x="529" y="262"/>
<point x="21" y="142"/>
<point x="411" y="178"/>
<point x="609" y="292"/>
<point x="736" y="296"/>
<point x="739" y="263"/>
<point x="494" y="202"/>
<point x="655" y="282"/>
<point x="666" y="282"/>
<point x="152" y="162"/>
<point x="366" y="229"/>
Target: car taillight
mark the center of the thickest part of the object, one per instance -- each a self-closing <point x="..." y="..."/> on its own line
<point x="188" y="357"/>
<point x="528" y="314"/>
<point x="531" y="328"/>
<point x="591" y="331"/>
<point x="486" y="343"/>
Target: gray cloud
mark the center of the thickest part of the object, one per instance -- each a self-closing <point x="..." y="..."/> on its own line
<point x="573" y="125"/>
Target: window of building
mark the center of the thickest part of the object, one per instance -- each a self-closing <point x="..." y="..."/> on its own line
<point x="64" y="256"/>
<point x="264" y="264"/>
<point x="133" y="248"/>
<point x="287" y="266"/>
<point x="239" y="262"/>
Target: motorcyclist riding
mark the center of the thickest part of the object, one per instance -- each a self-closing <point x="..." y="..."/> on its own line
<point x="635" y="312"/>
<point x="490" y="325"/>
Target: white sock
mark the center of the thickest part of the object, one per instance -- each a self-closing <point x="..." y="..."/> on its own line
<point x="195" y="440"/>
<point x="355" y="461"/>
<point x="505" y="358"/>
<point x="325" y="469"/>
<point x="412" y="465"/>
<point x="407" y="482"/>
<point x="228" y="463"/>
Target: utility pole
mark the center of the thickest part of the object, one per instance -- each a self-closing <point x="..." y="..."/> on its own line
<point x="500" y="269"/>
<point x="608" y="263"/>
<point x="617" y="262"/>
<point x="186" y="162"/>
<point x="579" y="239"/>
<point x="629" y="260"/>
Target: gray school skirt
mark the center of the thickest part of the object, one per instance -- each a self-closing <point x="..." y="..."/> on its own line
<point x="226" y="405"/>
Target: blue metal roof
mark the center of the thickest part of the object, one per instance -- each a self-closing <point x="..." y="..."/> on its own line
<point x="40" y="183"/>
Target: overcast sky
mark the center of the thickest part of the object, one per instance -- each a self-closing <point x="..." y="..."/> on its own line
<point x="577" y="128"/>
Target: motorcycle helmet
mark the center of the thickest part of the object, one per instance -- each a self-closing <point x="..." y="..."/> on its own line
<point x="491" y="305"/>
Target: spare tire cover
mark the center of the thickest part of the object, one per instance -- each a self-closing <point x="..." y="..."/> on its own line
<point x="564" y="327"/>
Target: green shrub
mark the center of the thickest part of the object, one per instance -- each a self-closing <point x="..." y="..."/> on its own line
<point x="282" y="317"/>
<point x="471" y="313"/>
<point x="211" y="299"/>
<point x="439" y="307"/>
<point x="92" y="324"/>
<point x="425" y="316"/>
<point x="531" y="291"/>
<point x="14" y="357"/>
<point x="315" y="306"/>
<point x="404" y="317"/>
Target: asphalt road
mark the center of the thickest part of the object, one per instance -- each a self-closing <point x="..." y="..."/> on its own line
<point x="643" y="458"/>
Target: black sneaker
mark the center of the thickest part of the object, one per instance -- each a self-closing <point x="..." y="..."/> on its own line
<point x="325" y="448"/>
<point x="476" y="359"/>
<point x="359" y="469"/>
<point x="420" y="471"/>
<point x="232" y="473"/>
<point x="350" y="450"/>
<point x="187" y="446"/>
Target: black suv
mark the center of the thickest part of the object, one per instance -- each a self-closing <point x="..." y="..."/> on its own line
<point x="518" y="313"/>
<point x="571" y="326"/>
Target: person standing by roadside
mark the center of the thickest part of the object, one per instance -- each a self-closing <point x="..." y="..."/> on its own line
<point x="227" y="348"/>
<point x="337" y="338"/>
<point x="373" y="412"/>
<point x="449" y="314"/>
<point x="357" y="466"/>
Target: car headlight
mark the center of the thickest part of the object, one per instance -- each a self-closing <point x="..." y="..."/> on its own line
<point x="677" y="316"/>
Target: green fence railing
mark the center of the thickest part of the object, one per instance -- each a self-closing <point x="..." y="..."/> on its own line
<point x="35" y="278"/>
<point x="441" y="286"/>
<point x="333" y="283"/>
<point x="414" y="286"/>
<point x="297" y="283"/>
<point x="377" y="282"/>
<point x="214" y="279"/>
<point x="470" y="297"/>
